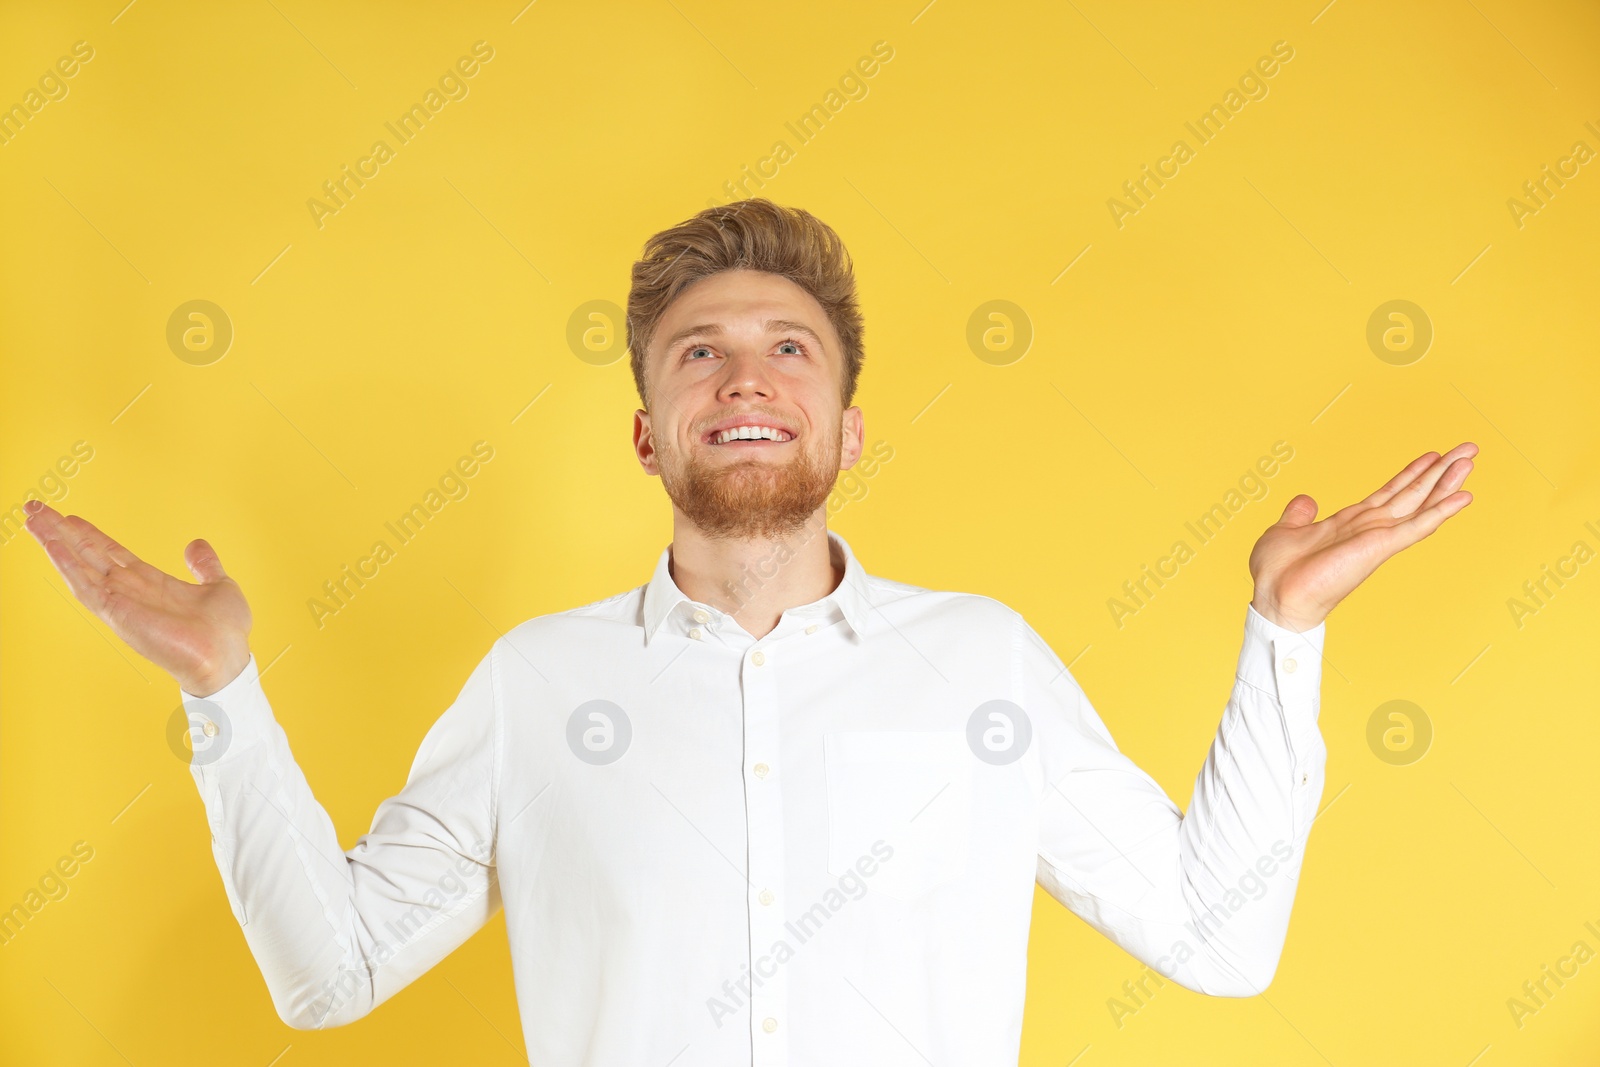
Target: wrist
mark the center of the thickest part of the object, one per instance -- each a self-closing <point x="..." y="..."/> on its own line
<point x="217" y="679"/>
<point x="1276" y="614"/>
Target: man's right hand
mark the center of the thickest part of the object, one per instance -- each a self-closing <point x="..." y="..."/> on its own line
<point x="199" y="634"/>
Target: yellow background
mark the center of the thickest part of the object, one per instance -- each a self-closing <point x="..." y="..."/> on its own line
<point x="1228" y="314"/>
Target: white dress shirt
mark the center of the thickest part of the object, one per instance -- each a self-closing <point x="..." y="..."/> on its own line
<point x="816" y="848"/>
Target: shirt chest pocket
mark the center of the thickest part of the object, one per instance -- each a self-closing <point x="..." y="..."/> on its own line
<point x="903" y="801"/>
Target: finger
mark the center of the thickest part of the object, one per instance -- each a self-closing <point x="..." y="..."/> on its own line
<point x="1401" y="480"/>
<point x="49" y="527"/>
<point x="108" y="550"/>
<point x="1428" y="520"/>
<point x="93" y="546"/>
<point x="68" y="531"/>
<point x="86" y="583"/>
<point x="202" y="561"/>
<point x="1299" y="511"/>
<point x="1408" y="499"/>
<point x="1452" y="480"/>
<point x="41" y="517"/>
<point x="74" y="532"/>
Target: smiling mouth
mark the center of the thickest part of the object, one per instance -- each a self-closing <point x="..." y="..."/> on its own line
<point x="740" y="443"/>
<point x="750" y="437"/>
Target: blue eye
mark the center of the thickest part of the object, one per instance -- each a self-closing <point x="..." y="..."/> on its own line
<point x="799" y="348"/>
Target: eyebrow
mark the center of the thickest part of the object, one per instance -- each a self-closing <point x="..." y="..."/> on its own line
<point x="713" y="329"/>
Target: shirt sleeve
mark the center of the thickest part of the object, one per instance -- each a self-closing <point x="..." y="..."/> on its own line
<point x="337" y="932"/>
<point x="1202" y="897"/>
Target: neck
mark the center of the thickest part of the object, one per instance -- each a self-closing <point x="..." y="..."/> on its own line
<point x="755" y="580"/>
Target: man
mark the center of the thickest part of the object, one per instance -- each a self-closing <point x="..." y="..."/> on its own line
<point x="767" y="808"/>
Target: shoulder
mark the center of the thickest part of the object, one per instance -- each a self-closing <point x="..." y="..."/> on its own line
<point x="614" y="613"/>
<point x="974" y="611"/>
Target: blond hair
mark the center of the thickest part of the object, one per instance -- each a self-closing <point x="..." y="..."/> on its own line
<point x="753" y="234"/>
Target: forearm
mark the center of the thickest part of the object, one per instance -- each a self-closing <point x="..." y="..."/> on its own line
<point x="335" y="932"/>
<point x="286" y="877"/>
<point x="1202" y="897"/>
<point x="1242" y="841"/>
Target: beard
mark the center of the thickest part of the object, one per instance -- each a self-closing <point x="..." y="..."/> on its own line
<point x="752" y="498"/>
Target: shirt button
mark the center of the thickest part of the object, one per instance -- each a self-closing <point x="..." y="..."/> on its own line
<point x="701" y="616"/>
<point x="769" y="1024"/>
<point x="811" y="629"/>
<point x="758" y="657"/>
<point x="210" y="728"/>
<point x="1303" y="778"/>
<point x="1289" y="665"/>
<point x="767" y="897"/>
<point x="695" y="633"/>
<point x="761" y="770"/>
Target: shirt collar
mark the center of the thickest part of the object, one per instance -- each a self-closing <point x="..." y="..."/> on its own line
<point x="663" y="599"/>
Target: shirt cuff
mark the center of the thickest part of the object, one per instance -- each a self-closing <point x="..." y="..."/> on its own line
<point x="1281" y="661"/>
<point x="229" y="720"/>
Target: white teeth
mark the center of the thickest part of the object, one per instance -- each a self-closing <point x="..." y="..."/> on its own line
<point x="750" y="433"/>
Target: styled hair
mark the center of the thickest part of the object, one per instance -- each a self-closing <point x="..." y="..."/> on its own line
<point x="752" y="234"/>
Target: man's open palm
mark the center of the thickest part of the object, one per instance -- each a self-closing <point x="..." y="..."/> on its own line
<point x="199" y="634"/>
<point x="1303" y="568"/>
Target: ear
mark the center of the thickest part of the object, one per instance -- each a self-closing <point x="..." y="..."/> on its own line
<point x="852" y="430"/>
<point x="644" y="446"/>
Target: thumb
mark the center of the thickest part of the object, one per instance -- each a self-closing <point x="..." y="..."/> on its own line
<point x="202" y="561"/>
<point x="1299" y="511"/>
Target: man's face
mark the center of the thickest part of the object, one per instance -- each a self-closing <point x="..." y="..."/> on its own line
<point x="746" y="347"/>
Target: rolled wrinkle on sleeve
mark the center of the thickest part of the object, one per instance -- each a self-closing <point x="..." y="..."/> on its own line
<point x="1204" y="897"/>
<point x="335" y="932"/>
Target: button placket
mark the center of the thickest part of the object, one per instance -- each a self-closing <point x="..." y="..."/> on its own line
<point x="765" y="847"/>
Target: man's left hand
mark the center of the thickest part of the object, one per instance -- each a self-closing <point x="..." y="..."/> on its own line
<point x="1303" y="568"/>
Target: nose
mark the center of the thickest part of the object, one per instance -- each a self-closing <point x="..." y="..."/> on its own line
<point x="747" y="377"/>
